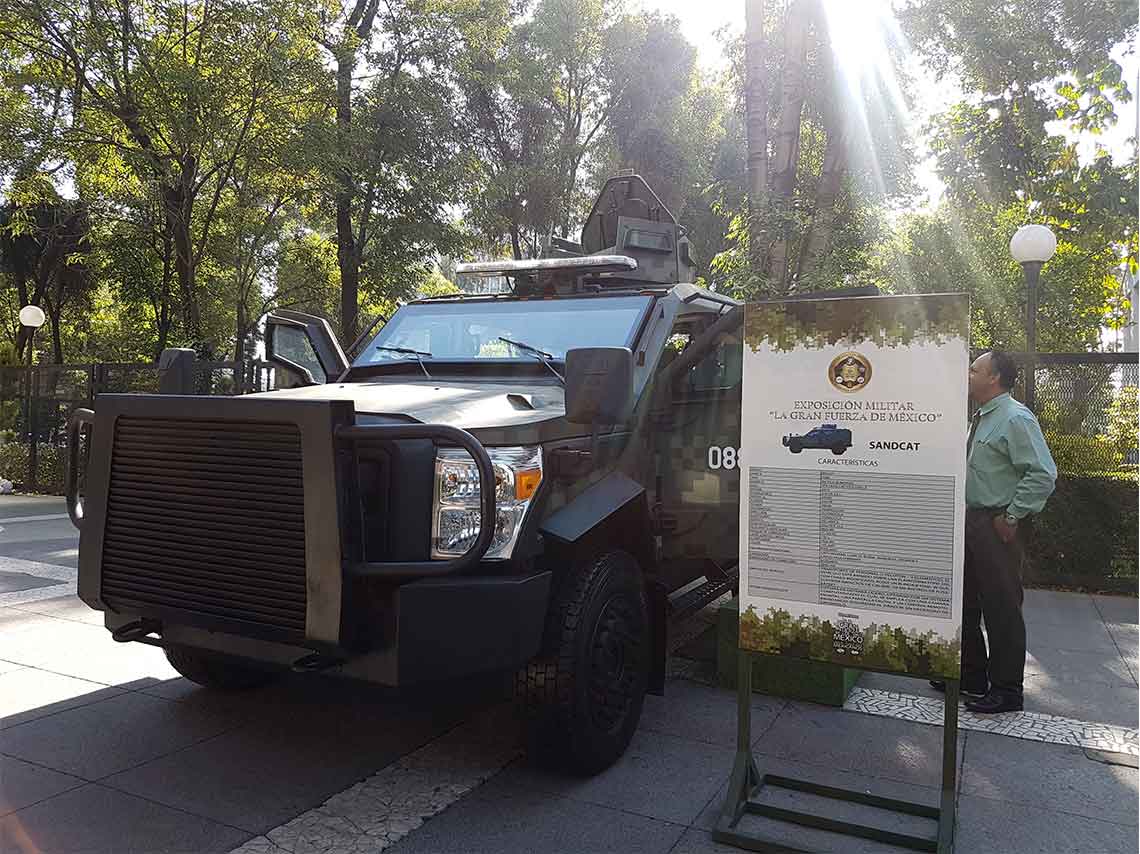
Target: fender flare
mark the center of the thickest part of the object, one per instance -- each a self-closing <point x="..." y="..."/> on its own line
<point x="596" y="504"/>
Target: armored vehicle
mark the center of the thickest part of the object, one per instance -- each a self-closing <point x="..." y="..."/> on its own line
<point x="513" y="483"/>
<point x="825" y="437"/>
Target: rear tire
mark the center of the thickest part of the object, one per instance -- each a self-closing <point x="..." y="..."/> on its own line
<point x="838" y="451"/>
<point x="581" y="698"/>
<point x="216" y="670"/>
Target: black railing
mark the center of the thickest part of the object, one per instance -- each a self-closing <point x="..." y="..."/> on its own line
<point x="36" y="403"/>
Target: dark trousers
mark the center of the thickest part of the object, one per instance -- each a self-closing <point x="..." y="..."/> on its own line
<point x="992" y="591"/>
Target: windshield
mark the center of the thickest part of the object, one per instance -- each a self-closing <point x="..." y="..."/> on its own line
<point x="459" y="330"/>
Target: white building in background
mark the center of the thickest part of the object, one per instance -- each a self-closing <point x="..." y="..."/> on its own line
<point x="1131" y="285"/>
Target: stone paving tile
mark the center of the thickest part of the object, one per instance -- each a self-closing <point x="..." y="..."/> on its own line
<point x="660" y="776"/>
<point x="96" y="820"/>
<point x="505" y="819"/>
<point x="100" y="739"/>
<point x="1082" y="700"/>
<point x="1026" y="725"/>
<point x="698" y="840"/>
<point x="989" y="825"/>
<point x="704" y="713"/>
<point x="1126" y="636"/>
<point x="63" y="576"/>
<point x="1034" y="774"/>
<point x="267" y="772"/>
<point x="1118" y="609"/>
<point x="1065" y="665"/>
<point x="84" y="651"/>
<point x="386" y="807"/>
<point x="27" y="694"/>
<point x="1056" y="606"/>
<point x="66" y="608"/>
<point x="834" y="738"/>
<point x="17" y="582"/>
<point x="23" y="784"/>
<point x="1085" y="636"/>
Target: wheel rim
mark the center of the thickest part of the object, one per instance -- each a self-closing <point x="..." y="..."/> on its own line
<point x="614" y="653"/>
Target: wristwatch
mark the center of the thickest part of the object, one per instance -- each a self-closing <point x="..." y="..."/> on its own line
<point x="1011" y="520"/>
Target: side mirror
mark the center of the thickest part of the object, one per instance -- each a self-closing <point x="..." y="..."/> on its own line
<point x="304" y="345"/>
<point x="599" y="385"/>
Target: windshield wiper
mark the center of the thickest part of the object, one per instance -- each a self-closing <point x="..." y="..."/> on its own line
<point x="419" y="354"/>
<point x="539" y="354"/>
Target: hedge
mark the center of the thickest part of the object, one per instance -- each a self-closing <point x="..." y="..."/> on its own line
<point x="1087" y="535"/>
<point x="51" y="466"/>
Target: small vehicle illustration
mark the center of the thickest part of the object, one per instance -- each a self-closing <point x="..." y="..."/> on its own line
<point x="825" y="437"/>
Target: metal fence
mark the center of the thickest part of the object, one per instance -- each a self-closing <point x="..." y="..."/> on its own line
<point x="1086" y="404"/>
<point x="1087" y="535"/>
<point x="36" y="402"/>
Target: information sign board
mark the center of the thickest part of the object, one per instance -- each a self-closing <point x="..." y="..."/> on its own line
<point x="853" y="433"/>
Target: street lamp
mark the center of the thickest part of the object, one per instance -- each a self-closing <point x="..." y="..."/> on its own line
<point x="32" y="317"/>
<point x="1031" y="246"/>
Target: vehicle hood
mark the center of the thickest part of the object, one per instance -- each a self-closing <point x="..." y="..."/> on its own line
<point x="470" y="406"/>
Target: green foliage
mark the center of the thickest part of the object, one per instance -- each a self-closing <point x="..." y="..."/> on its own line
<point x="1077" y="454"/>
<point x="885" y="647"/>
<point x="1123" y="417"/>
<point x="1087" y="535"/>
<point x="437" y="285"/>
<point x="51" y="466"/>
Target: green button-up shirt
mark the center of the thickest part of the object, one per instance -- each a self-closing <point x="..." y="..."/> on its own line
<point x="1009" y="464"/>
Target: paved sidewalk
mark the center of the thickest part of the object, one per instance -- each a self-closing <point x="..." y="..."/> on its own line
<point x="104" y="750"/>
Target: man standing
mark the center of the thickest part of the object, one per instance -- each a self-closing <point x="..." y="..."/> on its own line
<point x="1010" y="475"/>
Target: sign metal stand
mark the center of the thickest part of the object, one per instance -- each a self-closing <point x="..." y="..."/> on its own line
<point x="746" y="783"/>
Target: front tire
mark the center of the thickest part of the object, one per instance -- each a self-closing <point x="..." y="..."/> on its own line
<point x="581" y="698"/>
<point x="216" y="670"/>
<point x="795" y="448"/>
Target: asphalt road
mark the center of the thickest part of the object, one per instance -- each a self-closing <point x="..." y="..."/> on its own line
<point x="39" y="548"/>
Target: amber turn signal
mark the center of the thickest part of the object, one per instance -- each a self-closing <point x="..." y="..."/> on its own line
<point x="526" y="482"/>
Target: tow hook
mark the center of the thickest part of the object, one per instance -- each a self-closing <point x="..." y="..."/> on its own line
<point x="315" y="662"/>
<point x="140" y="631"/>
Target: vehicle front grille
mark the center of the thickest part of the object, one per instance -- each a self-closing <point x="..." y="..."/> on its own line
<point x="206" y="520"/>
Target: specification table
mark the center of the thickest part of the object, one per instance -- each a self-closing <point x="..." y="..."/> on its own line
<point x="871" y="540"/>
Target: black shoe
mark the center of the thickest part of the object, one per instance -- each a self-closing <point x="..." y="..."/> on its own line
<point x="995" y="703"/>
<point x="978" y="690"/>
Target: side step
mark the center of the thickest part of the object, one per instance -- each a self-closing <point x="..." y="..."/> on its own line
<point x="691" y="601"/>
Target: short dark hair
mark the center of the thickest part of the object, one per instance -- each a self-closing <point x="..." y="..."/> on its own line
<point x="1005" y="367"/>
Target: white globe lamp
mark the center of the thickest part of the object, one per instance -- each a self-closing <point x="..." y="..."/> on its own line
<point x="33" y="316"/>
<point x="1032" y="243"/>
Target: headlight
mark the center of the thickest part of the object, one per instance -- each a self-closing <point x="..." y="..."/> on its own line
<point x="455" y="525"/>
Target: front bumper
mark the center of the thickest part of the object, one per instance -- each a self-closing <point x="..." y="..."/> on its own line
<point x="439" y="628"/>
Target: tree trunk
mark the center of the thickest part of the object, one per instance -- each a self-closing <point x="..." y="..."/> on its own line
<point x="793" y="90"/>
<point x="755" y="103"/>
<point x="178" y="210"/>
<point x="346" y="251"/>
<point x="516" y="242"/>
<point x="817" y="241"/>
<point x="241" y="330"/>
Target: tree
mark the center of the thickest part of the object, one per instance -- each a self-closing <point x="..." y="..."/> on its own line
<point x="167" y="95"/>
<point x="398" y="157"/>
<point x="43" y="243"/>
<point x="827" y="146"/>
<point x="673" y="126"/>
<point x="1004" y="165"/>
